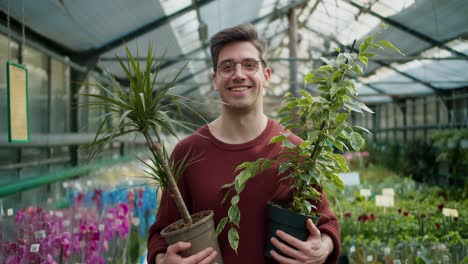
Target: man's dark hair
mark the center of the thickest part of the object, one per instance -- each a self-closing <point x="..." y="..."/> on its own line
<point x="243" y="32"/>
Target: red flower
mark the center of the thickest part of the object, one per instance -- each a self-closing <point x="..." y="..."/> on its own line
<point x="441" y="206"/>
<point x="372" y="217"/>
<point x="363" y="218"/>
<point x="405" y="213"/>
<point x="437" y="225"/>
<point x="79" y="198"/>
<point x="422" y="216"/>
<point x="399" y="210"/>
<point x="347" y="215"/>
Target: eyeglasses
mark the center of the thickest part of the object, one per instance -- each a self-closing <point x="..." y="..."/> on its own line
<point x="227" y="68"/>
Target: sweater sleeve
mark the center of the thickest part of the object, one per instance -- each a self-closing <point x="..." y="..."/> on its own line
<point x="328" y="224"/>
<point x="167" y="214"/>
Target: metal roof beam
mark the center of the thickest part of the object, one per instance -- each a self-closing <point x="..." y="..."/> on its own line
<point x="42" y="43"/>
<point x="275" y="14"/>
<point x="142" y="30"/>
<point x="407" y="29"/>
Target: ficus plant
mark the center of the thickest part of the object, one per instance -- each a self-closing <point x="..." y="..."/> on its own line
<point x="147" y="107"/>
<point x="321" y="122"/>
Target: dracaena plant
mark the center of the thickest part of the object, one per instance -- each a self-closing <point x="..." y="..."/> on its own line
<point x="321" y="122"/>
<point x="147" y="107"/>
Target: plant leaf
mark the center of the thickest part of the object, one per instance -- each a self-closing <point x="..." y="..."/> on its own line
<point x="356" y="140"/>
<point x="388" y="44"/>
<point x="222" y="223"/>
<point x="233" y="237"/>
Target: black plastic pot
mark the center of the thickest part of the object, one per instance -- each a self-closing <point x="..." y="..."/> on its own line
<point x="279" y="218"/>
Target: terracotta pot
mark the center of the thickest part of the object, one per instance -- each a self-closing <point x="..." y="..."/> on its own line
<point x="201" y="235"/>
<point x="279" y="218"/>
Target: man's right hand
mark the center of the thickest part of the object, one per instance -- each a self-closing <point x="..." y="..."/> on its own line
<point x="205" y="256"/>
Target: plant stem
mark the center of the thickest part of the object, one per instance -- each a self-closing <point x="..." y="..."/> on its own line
<point x="317" y="148"/>
<point x="175" y="193"/>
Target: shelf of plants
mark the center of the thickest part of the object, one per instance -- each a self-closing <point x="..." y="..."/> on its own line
<point x="91" y="222"/>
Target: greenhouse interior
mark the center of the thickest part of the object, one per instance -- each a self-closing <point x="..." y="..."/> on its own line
<point x="357" y="109"/>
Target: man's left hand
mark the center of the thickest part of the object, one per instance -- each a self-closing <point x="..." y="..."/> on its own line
<point x="315" y="249"/>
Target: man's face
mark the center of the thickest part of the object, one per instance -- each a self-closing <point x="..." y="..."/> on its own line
<point x="243" y="91"/>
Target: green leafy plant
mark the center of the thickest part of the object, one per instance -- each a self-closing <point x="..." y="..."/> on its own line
<point x="146" y="107"/>
<point x="322" y="123"/>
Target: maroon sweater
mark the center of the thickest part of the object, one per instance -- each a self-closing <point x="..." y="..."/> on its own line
<point x="201" y="184"/>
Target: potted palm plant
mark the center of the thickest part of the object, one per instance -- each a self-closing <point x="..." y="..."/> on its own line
<point x="312" y="166"/>
<point x="148" y="110"/>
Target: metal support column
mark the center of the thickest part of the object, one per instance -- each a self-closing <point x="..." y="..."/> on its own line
<point x="77" y="78"/>
<point x="293" y="50"/>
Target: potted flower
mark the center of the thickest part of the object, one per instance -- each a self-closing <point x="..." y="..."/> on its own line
<point x="312" y="166"/>
<point x="149" y="110"/>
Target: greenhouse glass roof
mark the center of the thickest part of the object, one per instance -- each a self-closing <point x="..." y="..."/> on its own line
<point x="432" y="34"/>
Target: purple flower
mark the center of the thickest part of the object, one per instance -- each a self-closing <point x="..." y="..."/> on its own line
<point x="122" y="211"/>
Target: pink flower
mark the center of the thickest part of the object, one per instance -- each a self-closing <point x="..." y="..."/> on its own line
<point x="13" y="260"/>
<point x="98" y="260"/>
<point x="405" y="213"/>
<point x="372" y="217"/>
<point x="122" y="211"/>
<point x="347" y="215"/>
<point x="348" y="156"/>
<point x="437" y="225"/>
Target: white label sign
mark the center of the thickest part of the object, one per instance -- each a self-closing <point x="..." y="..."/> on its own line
<point x="40" y="234"/>
<point x="387" y="251"/>
<point x="384" y="201"/>
<point x="10" y="211"/>
<point x="449" y="212"/>
<point x="350" y="178"/>
<point x="136" y="221"/>
<point x="365" y="192"/>
<point x="35" y="248"/>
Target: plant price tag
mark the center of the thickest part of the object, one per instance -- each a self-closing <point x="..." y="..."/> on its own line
<point x="449" y="212"/>
<point x="136" y="221"/>
<point x="101" y="227"/>
<point x="387" y="251"/>
<point x="66" y="223"/>
<point x="352" y="249"/>
<point x="384" y="201"/>
<point x="370" y="258"/>
<point x="365" y="192"/>
<point x="59" y="214"/>
<point x="34" y="248"/>
<point x="388" y="192"/>
<point x="39" y="234"/>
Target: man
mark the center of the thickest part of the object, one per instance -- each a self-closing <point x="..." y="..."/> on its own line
<point x="241" y="133"/>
